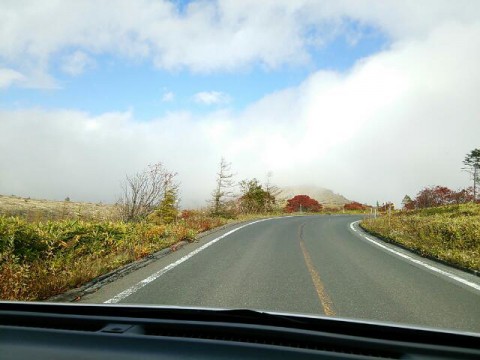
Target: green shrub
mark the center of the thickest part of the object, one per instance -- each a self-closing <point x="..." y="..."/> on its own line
<point x="42" y="259"/>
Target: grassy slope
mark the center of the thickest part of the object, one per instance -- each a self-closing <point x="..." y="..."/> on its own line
<point x="42" y="210"/>
<point x="449" y="233"/>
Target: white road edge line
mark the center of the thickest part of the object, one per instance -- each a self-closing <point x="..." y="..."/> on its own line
<point x="117" y="298"/>
<point x="418" y="262"/>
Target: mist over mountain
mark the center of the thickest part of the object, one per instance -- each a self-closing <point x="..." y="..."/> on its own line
<point x="322" y="195"/>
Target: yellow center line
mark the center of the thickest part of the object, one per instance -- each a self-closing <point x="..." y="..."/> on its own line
<point x="325" y="300"/>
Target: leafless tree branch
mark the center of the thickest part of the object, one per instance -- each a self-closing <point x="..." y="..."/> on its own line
<point x="143" y="191"/>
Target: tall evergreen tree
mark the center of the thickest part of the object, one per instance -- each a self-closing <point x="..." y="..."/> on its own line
<point x="472" y="166"/>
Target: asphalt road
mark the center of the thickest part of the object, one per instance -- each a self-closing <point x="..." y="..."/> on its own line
<point x="306" y="264"/>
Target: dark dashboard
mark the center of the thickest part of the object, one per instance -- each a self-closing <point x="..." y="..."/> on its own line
<point x="68" y="331"/>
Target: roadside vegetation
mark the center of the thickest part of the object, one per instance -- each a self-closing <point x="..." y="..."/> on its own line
<point x="439" y="222"/>
<point x="49" y="247"/>
<point x="42" y="259"/>
<point x="450" y="233"/>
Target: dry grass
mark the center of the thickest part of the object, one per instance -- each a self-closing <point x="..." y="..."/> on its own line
<point x="43" y="210"/>
<point x="42" y="259"/>
<point x="449" y="233"/>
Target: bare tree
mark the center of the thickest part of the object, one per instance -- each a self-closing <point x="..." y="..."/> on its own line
<point x="273" y="190"/>
<point x="472" y="166"/>
<point x="223" y="190"/>
<point x="144" y="191"/>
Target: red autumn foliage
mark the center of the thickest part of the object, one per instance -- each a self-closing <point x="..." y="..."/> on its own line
<point x="187" y="214"/>
<point x="302" y="203"/>
<point x="463" y="196"/>
<point x="442" y="195"/>
<point x="433" y="196"/>
<point x="409" y="205"/>
<point x="354" y="206"/>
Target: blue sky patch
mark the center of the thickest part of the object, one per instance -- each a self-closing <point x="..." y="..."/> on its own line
<point x="117" y="84"/>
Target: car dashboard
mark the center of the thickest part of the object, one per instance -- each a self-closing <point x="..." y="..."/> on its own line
<point x="74" y="331"/>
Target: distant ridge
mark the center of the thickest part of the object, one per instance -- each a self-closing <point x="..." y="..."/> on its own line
<point x="324" y="196"/>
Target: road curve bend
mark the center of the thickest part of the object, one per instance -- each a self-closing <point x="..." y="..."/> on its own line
<point x="320" y="265"/>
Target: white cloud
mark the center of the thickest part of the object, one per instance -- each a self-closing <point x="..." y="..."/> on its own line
<point x="208" y="36"/>
<point x="399" y="120"/>
<point x="8" y="77"/>
<point x="168" y="96"/>
<point x="76" y="63"/>
<point x="211" y="98"/>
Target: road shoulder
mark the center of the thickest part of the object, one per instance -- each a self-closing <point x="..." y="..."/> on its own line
<point x="466" y="279"/>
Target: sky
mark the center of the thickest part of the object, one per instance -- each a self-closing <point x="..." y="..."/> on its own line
<point x="371" y="99"/>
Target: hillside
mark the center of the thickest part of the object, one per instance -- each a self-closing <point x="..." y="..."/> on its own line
<point x="324" y="196"/>
<point x="37" y="209"/>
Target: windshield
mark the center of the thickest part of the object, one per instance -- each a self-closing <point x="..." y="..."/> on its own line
<point x="307" y="157"/>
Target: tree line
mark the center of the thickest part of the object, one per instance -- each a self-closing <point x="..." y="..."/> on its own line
<point x="154" y="193"/>
<point x="432" y="196"/>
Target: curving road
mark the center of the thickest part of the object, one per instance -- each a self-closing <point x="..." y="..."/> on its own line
<point x="306" y="264"/>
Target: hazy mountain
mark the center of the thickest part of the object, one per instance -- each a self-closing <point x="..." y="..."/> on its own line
<point x="322" y="195"/>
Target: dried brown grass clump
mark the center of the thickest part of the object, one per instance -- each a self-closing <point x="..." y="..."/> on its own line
<point x="450" y="233"/>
